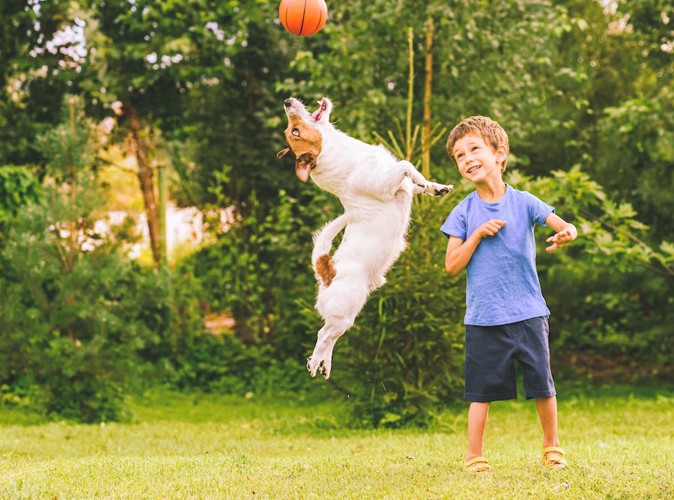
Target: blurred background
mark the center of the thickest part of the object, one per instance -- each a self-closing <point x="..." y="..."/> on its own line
<point x="150" y="238"/>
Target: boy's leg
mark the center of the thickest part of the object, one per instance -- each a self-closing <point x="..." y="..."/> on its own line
<point x="553" y="455"/>
<point x="477" y="423"/>
<point x="547" y="412"/>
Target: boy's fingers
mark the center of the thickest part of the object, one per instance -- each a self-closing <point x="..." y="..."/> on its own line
<point x="491" y="227"/>
<point x="559" y="240"/>
<point x="562" y="236"/>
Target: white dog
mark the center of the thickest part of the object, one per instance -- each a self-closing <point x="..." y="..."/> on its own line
<point x="376" y="191"/>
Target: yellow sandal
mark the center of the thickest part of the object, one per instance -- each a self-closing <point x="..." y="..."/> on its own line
<point x="477" y="464"/>
<point x="553" y="458"/>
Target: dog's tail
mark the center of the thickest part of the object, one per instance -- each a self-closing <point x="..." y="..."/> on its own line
<point x="320" y="257"/>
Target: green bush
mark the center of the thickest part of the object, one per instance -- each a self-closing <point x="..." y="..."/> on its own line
<point x="74" y="343"/>
<point x="223" y="364"/>
<point x="259" y="271"/>
<point x="75" y="313"/>
<point x="73" y="337"/>
<point x="18" y="187"/>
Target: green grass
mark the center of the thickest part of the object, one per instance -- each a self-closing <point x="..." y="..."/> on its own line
<point x="618" y="443"/>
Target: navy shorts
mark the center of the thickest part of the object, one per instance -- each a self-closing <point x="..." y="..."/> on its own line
<point x="490" y="355"/>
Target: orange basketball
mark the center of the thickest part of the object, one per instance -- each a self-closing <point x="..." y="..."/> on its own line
<point x="303" y="17"/>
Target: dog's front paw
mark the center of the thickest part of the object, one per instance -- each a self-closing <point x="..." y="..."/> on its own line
<point x="435" y="189"/>
<point x="314" y="366"/>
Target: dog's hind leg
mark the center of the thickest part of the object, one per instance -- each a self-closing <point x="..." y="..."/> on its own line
<point x="338" y="304"/>
<point x="320" y="360"/>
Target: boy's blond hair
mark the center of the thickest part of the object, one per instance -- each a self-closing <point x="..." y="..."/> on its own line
<point x="491" y="132"/>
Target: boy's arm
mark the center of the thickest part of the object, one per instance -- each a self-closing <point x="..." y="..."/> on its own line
<point x="459" y="252"/>
<point x="565" y="232"/>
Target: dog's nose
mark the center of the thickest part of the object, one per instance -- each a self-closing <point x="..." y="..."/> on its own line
<point x="287" y="102"/>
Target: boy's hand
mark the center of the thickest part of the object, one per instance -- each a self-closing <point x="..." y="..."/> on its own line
<point x="490" y="228"/>
<point x="563" y="237"/>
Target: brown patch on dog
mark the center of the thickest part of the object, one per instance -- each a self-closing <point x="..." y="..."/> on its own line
<point x="325" y="269"/>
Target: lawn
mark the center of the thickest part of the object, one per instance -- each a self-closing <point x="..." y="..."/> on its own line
<point x="619" y="443"/>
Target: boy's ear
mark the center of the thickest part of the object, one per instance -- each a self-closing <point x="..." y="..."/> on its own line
<point x="501" y="154"/>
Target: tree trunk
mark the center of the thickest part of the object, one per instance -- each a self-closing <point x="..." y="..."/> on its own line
<point x="145" y="176"/>
<point x="428" y="87"/>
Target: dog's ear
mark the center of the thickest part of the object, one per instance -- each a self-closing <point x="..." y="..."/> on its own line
<point x="283" y="153"/>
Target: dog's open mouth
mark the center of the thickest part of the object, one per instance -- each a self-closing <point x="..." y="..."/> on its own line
<point x="322" y="106"/>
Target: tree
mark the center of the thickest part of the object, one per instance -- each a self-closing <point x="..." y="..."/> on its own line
<point x="75" y="312"/>
<point x="147" y="56"/>
<point x="31" y="76"/>
<point x="635" y="132"/>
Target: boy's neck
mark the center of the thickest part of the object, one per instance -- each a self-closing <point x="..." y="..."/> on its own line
<point x="491" y="192"/>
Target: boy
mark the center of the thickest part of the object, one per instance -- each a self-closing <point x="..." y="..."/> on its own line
<point x="491" y="234"/>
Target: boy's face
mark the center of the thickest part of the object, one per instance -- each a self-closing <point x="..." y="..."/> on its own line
<point x="476" y="160"/>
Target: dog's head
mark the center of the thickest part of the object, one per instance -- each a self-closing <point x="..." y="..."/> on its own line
<point x="305" y="134"/>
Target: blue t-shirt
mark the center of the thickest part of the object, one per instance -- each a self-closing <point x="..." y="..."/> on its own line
<point x="502" y="283"/>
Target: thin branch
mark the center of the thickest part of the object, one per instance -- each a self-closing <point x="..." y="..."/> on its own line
<point x="61" y="251"/>
<point x="410" y="94"/>
<point x="668" y="271"/>
<point x="115" y="164"/>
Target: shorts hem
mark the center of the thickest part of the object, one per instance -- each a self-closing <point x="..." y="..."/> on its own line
<point x="541" y="394"/>
<point x="487" y="398"/>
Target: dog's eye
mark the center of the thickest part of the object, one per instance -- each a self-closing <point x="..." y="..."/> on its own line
<point x="295" y="132"/>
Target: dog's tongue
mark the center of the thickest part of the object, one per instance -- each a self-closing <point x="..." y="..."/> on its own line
<point x="302" y="171"/>
<point x="316" y="115"/>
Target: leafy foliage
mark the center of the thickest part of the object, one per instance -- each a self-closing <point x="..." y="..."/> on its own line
<point x="71" y="338"/>
<point x="31" y="85"/>
<point x="18" y="188"/>
<point x="636" y="155"/>
<point x="70" y="317"/>
<point x="259" y="271"/>
<point x="575" y="83"/>
<point x="224" y="365"/>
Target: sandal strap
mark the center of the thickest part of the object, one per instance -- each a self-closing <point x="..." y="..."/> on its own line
<point x="551" y="449"/>
<point x="477" y="464"/>
<point x="476" y="460"/>
<point x="557" y="460"/>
